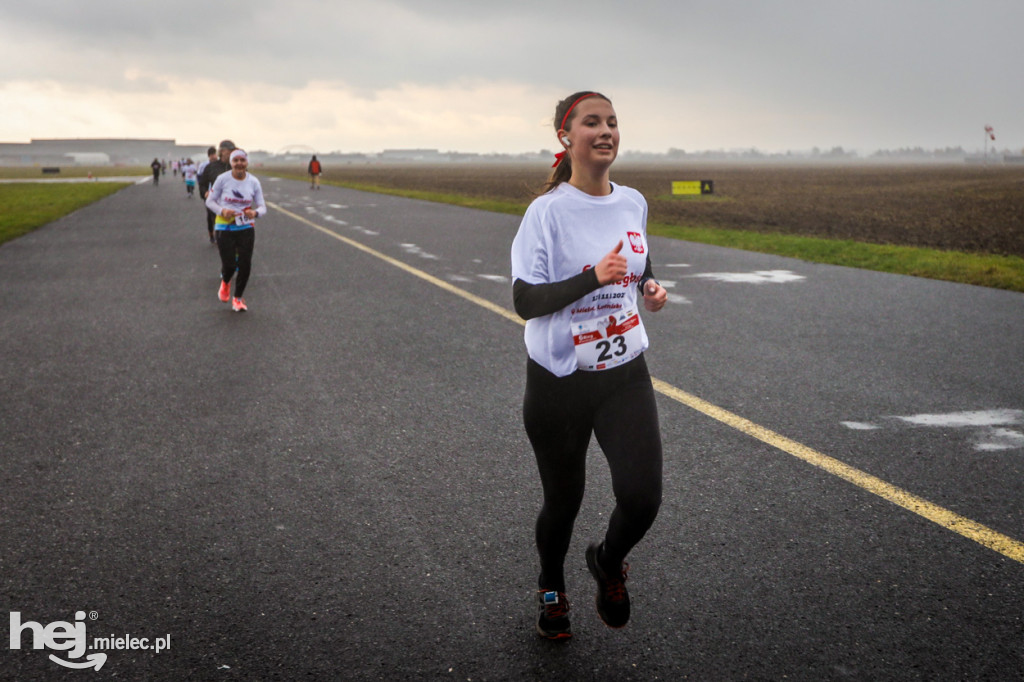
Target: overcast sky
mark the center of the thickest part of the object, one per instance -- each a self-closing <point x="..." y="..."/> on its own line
<point x="483" y="76"/>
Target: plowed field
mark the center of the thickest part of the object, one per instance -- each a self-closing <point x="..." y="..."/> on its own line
<point x="955" y="207"/>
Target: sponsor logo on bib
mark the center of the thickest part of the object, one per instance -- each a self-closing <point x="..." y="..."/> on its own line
<point x="607" y="341"/>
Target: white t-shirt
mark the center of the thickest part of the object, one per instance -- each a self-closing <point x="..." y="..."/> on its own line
<point x="563" y="233"/>
<point x="227" y="192"/>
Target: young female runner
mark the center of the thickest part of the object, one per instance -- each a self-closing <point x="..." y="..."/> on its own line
<point x="579" y="260"/>
<point x="237" y="200"/>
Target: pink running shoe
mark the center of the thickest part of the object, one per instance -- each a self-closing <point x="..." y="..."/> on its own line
<point x="225" y="291"/>
<point x="238" y="305"/>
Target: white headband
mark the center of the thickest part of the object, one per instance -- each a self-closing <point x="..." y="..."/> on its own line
<point x="238" y="153"/>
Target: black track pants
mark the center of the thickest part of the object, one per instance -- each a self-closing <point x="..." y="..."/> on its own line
<point x="235" y="248"/>
<point x="560" y="413"/>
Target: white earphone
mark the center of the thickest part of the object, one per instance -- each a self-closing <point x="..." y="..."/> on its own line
<point x="566" y="141"/>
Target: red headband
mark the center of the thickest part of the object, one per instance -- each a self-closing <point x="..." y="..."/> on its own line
<point x="561" y="155"/>
<point x="573" y="106"/>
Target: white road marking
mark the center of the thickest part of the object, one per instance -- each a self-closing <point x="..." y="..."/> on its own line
<point x="756" y="277"/>
<point x="988" y="427"/>
<point x="414" y="250"/>
<point x="860" y="426"/>
<point x="994" y="440"/>
<point x="962" y="419"/>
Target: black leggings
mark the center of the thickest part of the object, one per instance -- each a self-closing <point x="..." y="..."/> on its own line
<point x="235" y="248"/>
<point x="560" y="413"/>
<point x="211" y="218"/>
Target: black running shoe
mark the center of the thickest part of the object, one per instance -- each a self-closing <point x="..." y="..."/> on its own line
<point x="612" y="597"/>
<point x="553" y="615"/>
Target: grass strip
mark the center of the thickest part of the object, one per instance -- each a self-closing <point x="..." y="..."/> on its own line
<point x="36" y="173"/>
<point x="30" y="205"/>
<point x="997" y="272"/>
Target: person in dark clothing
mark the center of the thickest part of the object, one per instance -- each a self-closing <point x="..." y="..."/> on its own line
<point x="210" y="172"/>
<point x="314" y="169"/>
<point x="156" y="171"/>
<point x="211" y="156"/>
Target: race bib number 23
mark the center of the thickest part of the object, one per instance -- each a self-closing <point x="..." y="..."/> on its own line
<point x="608" y="341"/>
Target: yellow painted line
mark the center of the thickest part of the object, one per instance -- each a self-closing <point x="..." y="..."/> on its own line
<point x="482" y="302"/>
<point x="972" y="530"/>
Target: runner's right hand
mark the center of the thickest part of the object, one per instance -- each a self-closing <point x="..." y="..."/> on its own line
<point x="612" y="267"/>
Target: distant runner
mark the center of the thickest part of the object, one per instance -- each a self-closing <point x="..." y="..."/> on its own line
<point x="188" y="174"/>
<point x="237" y="200"/>
<point x="314" y="169"/>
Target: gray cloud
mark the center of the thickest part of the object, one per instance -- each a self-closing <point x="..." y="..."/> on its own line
<point x="914" y="70"/>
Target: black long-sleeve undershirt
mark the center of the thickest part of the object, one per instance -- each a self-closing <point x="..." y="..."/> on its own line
<point x="537" y="300"/>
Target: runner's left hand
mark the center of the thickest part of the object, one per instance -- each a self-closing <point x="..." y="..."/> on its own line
<point x="655" y="296"/>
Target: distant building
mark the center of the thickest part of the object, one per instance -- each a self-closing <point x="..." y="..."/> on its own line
<point x="95" y="152"/>
<point x="412" y="155"/>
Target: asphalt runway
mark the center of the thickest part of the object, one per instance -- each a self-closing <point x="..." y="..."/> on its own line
<point x="336" y="484"/>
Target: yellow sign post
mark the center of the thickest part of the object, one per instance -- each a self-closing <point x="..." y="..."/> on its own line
<point x="693" y="187"/>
